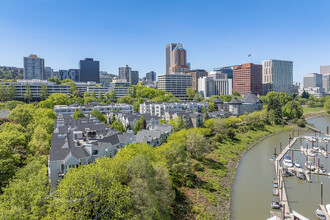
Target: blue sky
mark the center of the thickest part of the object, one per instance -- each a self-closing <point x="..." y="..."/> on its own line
<point x="214" y="33"/>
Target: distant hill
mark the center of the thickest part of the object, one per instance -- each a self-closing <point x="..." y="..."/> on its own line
<point x="11" y="73"/>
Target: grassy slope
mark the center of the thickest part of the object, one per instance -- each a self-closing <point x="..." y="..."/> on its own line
<point x="308" y="110"/>
<point x="210" y="198"/>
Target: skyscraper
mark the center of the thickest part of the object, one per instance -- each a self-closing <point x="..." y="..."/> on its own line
<point x="325" y="69"/>
<point x="151" y="76"/>
<point x="176" y="84"/>
<point x="179" y="61"/>
<point x="34" y="67"/>
<point x="89" y="70"/>
<point x="124" y="72"/>
<point x="169" y="48"/>
<point x="134" y="77"/>
<point x="277" y="75"/>
<point x="312" y="80"/>
<point x="247" y="78"/>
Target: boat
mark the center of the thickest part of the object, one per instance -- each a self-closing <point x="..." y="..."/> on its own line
<point x="327" y="207"/>
<point x="297" y="164"/>
<point x="287" y="162"/>
<point x="275" y="192"/>
<point x="275" y="205"/>
<point x="310" y="166"/>
<point x="301" y="176"/>
<point x="310" y="153"/>
<point x="275" y="180"/>
<point x="321" y="168"/>
<point x="275" y="185"/>
<point x="319" y="214"/>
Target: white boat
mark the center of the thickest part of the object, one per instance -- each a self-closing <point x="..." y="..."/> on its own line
<point x="327" y="207"/>
<point x="319" y="214"/>
<point x="310" y="153"/>
<point x="287" y="162"/>
<point x="297" y="164"/>
<point x="310" y="166"/>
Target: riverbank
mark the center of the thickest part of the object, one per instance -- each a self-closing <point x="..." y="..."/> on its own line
<point x="210" y="198"/>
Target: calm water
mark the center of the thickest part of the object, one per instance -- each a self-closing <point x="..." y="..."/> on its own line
<point x="252" y="188"/>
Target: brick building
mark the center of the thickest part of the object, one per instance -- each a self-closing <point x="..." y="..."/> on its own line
<point x="247" y="78"/>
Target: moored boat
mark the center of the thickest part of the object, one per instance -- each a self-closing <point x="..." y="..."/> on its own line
<point x="319" y="214"/>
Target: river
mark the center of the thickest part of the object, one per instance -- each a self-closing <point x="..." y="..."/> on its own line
<point x="252" y="188"/>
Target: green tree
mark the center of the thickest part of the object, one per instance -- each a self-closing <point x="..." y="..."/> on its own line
<point x="197" y="144"/>
<point x="59" y="99"/>
<point x="117" y="125"/>
<point x="177" y="123"/>
<point x="327" y="106"/>
<point x="44" y="92"/>
<point x="55" y="79"/>
<point x="284" y="98"/>
<point x="137" y="127"/>
<point x="212" y="107"/>
<point x="191" y="93"/>
<point x="78" y="114"/>
<point x="305" y="95"/>
<point x="26" y="196"/>
<point x="292" y="109"/>
<point x="21" y="114"/>
<point x="126" y="99"/>
<point x="275" y="106"/>
<point x="40" y="142"/>
<point x="96" y="113"/>
<point x="11" y="91"/>
<point x="100" y="97"/>
<point x="27" y="95"/>
<point x="2" y="92"/>
<point x="112" y="95"/>
<point x="93" y="95"/>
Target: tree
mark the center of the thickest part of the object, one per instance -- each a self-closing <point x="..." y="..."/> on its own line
<point x="177" y="123"/>
<point x="96" y="113"/>
<point x="2" y="92"/>
<point x="137" y="127"/>
<point x="44" y="92"/>
<point x="93" y="95"/>
<point x="78" y="114"/>
<point x="55" y="79"/>
<point x="274" y="108"/>
<point x="112" y="95"/>
<point x="284" y="98"/>
<point x="196" y="144"/>
<point x="40" y="142"/>
<point x="327" y="106"/>
<point x="293" y="109"/>
<point x="27" y="95"/>
<point x="100" y="97"/>
<point x="21" y="114"/>
<point x="126" y="99"/>
<point x="236" y="94"/>
<point x="305" y="95"/>
<point x="117" y="125"/>
<point x="11" y="91"/>
<point x="26" y="195"/>
<point x="59" y="99"/>
<point x="190" y="93"/>
<point x="212" y="107"/>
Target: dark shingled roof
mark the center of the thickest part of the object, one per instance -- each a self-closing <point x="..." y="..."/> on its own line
<point x="216" y="100"/>
<point x="251" y="98"/>
<point x="235" y="101"/>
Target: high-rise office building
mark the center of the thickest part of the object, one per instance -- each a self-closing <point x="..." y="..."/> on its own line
<point x="325" y="69"/>
<point x="176" y="84"/>
<point x="151" y="76"/>
<point x="247" y="78"/>
<point x="196" y="74"/>
<point x="326" y="82"/>
<point x="34" y="67"/>
<point x="49" y="73"/>
<point x="277" y="75"/>
<point x="208" y="86"/>
<point x="312" y="80"/>
<point x="228" y="70"/>
<point x="89" y="70"/>
<point x="134" y="77"/>
<point x="169" y="48"/>
<point x="179" y="61"/>
<point x="124" y="72"/>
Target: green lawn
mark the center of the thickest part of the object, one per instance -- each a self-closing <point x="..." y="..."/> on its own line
<point x="312" y="110"/>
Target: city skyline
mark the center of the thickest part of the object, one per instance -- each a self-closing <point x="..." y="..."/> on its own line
<point x="211" y="40"/>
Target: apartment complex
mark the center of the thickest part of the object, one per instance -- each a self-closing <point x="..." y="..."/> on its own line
<point x="209" y="86"/>
<point x="277" y="75"/>
<point x="196" y="74"/>
<point x="247" y="78"/>
<point x="176" y="84"/>
<point x="34" y="67"/>
<point x="89" y="70"/>
<point x="87" y="109"/>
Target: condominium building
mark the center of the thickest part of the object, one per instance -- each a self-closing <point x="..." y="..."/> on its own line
<point x="176" y="84"/>
<point x="35" y="88"/>
<point x="89" y="70"/>
<point x="312" y="80"/>
<point x="179" y="60"/>
<point x="73" y="74"/>
<point x="247" y="78"/>
<point x="124" y="72"/>
<point x="208" y="86"/>
<point x="87" y="109"/>
<point x="34" y="67"/>
<point x="325" y="69"/>
<point x="134" y="77"/>
<point x="196" y="74"/>
<point x="169" y="48"/>
<point x="277" y="75"/>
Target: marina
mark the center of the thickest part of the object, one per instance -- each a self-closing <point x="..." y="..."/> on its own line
<point x="298" y="186"/>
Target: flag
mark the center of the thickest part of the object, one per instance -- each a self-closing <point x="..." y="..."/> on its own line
<point x="249" y="55"/>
